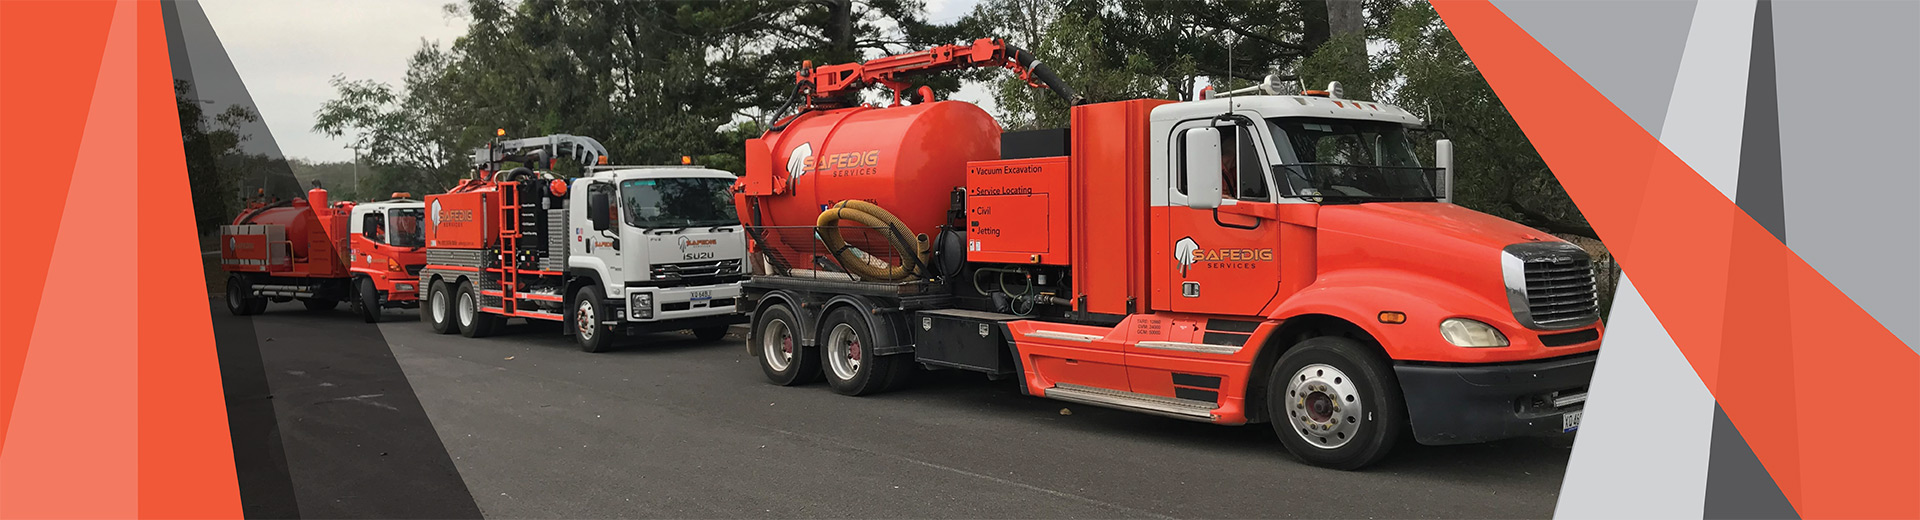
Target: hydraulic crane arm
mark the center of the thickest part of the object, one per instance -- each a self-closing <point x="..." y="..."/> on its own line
<point x="586" y="150"/>
<point x="836" y="81"/>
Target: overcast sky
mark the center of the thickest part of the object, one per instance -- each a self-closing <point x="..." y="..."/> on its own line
<point x="286" y="51"/>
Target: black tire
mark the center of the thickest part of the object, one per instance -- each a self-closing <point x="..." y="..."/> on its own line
<point x="319" y="305"/>
<point x="467" y="313"/>
<point x="437" y="311"/>
<point x="588" y="313"/>
<point x="714" y="333"/>
<point x="366" y="300"/>
<point x="1335" y="403"/>
<point x="240" y="300"/>
<point x="784" y="361"/>
<point x="866" y="374"/>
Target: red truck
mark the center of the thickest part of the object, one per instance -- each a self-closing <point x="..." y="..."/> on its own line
<point x="1249" y="258"/>
<point x="321" y="253"/>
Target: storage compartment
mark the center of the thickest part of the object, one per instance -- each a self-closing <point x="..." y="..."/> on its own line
<point x="1017" y="211"/>
<point x="967" y="340"/>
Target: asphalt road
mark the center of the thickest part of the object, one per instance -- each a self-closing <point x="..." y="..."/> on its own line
<point x="669" y="426"/>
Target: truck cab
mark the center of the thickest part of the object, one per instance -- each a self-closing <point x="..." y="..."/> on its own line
<point x="663" y="242"/>
<point x="386" y="240"/>
<point x="1314" y="214"/>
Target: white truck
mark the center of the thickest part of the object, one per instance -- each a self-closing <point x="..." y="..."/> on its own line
<point x="620" y="251"/>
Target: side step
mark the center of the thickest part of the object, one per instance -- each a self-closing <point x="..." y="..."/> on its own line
<point x="1165" y="406"/>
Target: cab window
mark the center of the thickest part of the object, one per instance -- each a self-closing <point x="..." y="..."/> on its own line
<point x="1242" y="167"/>
<point x="374" y="227"/>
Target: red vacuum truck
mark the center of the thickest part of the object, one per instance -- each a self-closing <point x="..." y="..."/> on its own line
<point x="1247" y="257"/>
<point x="367" y="254"/>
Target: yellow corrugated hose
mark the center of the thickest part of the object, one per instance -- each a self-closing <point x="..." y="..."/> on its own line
<point x="913" y="255"/>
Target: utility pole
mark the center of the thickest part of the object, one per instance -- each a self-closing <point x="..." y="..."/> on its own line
<point x="356" y="172"/>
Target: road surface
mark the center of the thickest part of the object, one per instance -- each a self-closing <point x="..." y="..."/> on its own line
<point x="669" y="426"/>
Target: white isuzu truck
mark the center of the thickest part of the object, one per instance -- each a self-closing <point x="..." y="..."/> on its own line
<point x="619" y="251"/>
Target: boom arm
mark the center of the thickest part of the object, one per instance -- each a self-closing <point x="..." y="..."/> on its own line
<point x="832" y="81"/>
<point x="586" y="150"/>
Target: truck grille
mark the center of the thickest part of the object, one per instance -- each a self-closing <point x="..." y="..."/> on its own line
<point x="698" y="272"/>
<point x="414" y="270"/>
<point x="1555" y="286"/>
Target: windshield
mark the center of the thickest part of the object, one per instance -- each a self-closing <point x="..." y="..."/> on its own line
<point x="678" y="203"/>
<point x="1337" y="159"/>
<point x="406" y="228"/>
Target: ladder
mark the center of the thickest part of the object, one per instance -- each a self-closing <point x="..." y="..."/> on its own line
<point x="509" y="192"/>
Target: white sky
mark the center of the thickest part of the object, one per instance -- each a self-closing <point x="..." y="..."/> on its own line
<point x="286" y="51"/>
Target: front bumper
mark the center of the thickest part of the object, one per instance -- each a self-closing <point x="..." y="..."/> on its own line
<point x="1461" y="404"/>
<point x="682" y="303"/>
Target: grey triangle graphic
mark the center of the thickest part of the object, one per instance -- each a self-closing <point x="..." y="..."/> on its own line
<point x="1738" y="486"/>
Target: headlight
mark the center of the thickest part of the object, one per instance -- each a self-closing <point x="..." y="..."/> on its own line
<point x="1462" y="332"/>
<point x="640" y="305"/>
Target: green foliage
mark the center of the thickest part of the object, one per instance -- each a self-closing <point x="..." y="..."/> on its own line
<point x="654" y="81"/>
<point x="1499" y="171"/>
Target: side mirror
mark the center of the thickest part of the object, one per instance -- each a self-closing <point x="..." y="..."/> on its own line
<point x="1443" y="159"/>
<point x="1203" y="167"/>
<point x="599" y="210"/>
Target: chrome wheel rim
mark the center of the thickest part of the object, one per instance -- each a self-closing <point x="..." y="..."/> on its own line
<point x="844" y="351"/>
<point x="583" y="321"/>
<point x="466" y="309"/>
<point x="1324" y="406"/>
<point x="439" y="304"/>
<point x="776" y="345"/>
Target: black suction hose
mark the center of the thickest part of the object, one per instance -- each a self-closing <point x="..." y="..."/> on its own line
<point x="1046" y="75"/>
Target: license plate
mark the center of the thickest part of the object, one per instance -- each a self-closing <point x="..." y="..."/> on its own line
<point x="1570" y="421"/>
<point x="701" y="296"/>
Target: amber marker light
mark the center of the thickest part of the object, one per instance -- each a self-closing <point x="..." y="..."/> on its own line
<point x="1393" y="317"/>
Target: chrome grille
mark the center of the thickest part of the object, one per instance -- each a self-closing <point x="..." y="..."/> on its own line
<point x="1551" y="285"/>
<point x="697" y="271"/>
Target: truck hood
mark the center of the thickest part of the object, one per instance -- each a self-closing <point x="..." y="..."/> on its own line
<point x="1440" y="240"/>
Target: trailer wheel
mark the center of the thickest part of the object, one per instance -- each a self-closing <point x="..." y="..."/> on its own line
<point x="366" y="300"/>
<point x="319" y="304"/>
<point x="240" y="300"/>
<point x="847" y="358"/>
<point x="474" y="323"/>
<point x="437" y="311"/>
<point x="776" y="335"/>
<point x="589" y="311"/>
<point x="1335" y="403"/>
<point x="714" y="333"/>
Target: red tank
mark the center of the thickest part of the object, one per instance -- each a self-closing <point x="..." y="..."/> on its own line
<point x="905" y="159"/>
<point x="314" y="235"/>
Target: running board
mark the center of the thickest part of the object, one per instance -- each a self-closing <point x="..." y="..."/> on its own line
<point x="1165" y="406"/>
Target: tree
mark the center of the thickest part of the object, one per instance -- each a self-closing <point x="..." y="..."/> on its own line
<point x="216" y="165"/>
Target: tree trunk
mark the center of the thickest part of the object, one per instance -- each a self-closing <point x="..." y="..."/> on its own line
<point x="840" y="13"/>
<point x="1344" y="16"/>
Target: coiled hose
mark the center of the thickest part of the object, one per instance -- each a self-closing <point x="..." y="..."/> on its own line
<point x="914" y="256"/>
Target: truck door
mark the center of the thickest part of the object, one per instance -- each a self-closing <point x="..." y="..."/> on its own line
<point x="1224" y="260"/>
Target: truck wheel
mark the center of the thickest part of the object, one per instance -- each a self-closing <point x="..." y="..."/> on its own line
<point x="240" y="300"/>
<point x="776" y="334"/>
<point x="847" y="360"/>
<point x="710" y="333"/>
<point x="319" y="305"/>
<point x="589" y="311"/>
<point x="438" y="309"/>
<point x="366" y="300"/>
<point x="1335" y="403"/>
<point x="474" y="323"/>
